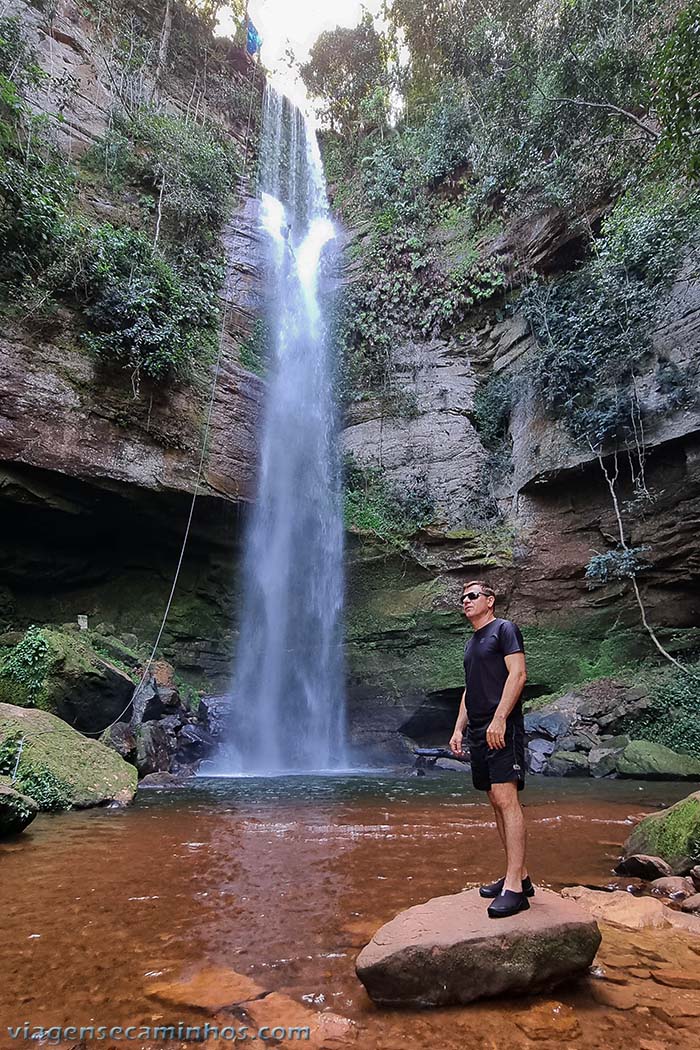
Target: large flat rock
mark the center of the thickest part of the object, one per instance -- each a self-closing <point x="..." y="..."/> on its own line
<point x="449" y="951"/>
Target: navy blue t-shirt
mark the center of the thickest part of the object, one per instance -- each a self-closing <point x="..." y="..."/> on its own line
<point x="485" y="670"/>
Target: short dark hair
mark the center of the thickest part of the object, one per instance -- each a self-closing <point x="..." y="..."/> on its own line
<point x="483" y="587"/>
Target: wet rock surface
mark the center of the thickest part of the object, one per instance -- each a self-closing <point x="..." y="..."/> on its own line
<point x="673" y="834"/>
<point x="17" y="811"/>
<point x="644" y="867"/>
<point x="449" y="951"/>
<point x="579" y="735"/>
<point x="620" y="908"/>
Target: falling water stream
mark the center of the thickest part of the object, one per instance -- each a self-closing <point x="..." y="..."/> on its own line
<point x="288" y="710"/>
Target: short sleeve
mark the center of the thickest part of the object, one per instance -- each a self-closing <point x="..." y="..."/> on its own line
<point x="511" y="639"/>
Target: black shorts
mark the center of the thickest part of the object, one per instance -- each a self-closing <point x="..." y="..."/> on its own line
<point x="497" y="765"/>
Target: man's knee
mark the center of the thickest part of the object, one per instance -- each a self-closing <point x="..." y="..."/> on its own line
<point x="504" y="796"/>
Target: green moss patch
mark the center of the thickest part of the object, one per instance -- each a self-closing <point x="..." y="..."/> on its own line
<point x="673" y="835"/>
<point x="58" y="767"/>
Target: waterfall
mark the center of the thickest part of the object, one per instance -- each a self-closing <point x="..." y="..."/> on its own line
<point x="288" y="710"/>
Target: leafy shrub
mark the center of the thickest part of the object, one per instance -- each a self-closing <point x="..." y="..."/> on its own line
<point x="401" y="291"/>
<point x="678" y="385"/>
<point x="674" y="720"/>
<point x="677" y="74"/>
<point x="594" y="326"/>
<point x="19" y="68"/>
<point x="648" y="230"/>
<point x="621" y="564"/>
<point x="195" y="164"/>
<point x="145" y="313"/>
<point x="493" y="402"/>
<point x="27" y="665"/>
<point x="47" y="790"/>
<point x="34" y="229"/>
<point x="255" y="350"/>
<point x="375" y="507"/>
<point x="443" y="141"/>
<point x="593" y="330"/>
<point x="153" y="312"/>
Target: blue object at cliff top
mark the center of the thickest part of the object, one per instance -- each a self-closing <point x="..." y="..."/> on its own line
<point x="253" y="39"/>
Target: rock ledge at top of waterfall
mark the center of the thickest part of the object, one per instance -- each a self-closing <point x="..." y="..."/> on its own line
<point x="449" y="951"/>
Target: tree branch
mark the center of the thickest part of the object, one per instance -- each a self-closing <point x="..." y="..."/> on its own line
<point x="610" y="107"/>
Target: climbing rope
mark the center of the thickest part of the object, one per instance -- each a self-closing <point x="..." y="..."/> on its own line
<point x="205" y="439"/>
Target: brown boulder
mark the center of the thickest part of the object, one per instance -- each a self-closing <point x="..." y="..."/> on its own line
<point x="674" y="886"/>
<point x="620" y="908"/>
<point x="633" y="913"/>
<point x="449" y="951"/>
<point x="692" y="904"/>
<point x="643" y="866"/>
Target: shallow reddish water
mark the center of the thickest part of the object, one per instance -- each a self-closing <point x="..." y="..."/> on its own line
<point x="284" y="881"/>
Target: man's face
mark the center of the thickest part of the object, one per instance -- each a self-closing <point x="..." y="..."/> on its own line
<point x="474" y="602"/>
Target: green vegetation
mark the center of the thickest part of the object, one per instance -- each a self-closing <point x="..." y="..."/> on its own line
<point x="41" y="784"/>
<point x="377" y="509"/>
<point x="24" y="670"/>
<point x="346" y="69"/>
<point x="502" y="110"/>
<point x="143" y="291"/>
<point x="58" y="767"/>
<point x="623" y="563"/>
<point x="677" y="103"/>
<point x="673" y="835"/>
<point x="187" y="168"/>
<point x="255" y="350"/>
<point x="493" y="402"/>
<point x="674" y="720"/>
<point x="594" y="325"/>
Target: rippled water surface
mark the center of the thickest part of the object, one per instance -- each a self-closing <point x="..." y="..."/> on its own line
<point x="284" y="880"/>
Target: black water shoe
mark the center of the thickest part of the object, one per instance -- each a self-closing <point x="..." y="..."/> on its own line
<point x="507" y="903"/>
<point x="494" y="888"/>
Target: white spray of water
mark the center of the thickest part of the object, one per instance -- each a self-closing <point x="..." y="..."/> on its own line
<point x="288" y="703"/>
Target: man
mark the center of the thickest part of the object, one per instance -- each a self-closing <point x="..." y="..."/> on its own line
<point x="494" y="669"/>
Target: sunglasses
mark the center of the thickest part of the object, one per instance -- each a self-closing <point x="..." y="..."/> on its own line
<point x="473" y="595"/>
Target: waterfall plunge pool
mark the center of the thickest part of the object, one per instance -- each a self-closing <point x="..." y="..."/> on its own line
<point x="284" y="879"/>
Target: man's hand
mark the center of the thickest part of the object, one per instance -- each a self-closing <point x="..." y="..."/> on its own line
<point x="456" y="743"/>
<point x="496" y="733"/>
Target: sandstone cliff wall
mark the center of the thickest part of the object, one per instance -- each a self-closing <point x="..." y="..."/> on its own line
<point x="97" y="471"/>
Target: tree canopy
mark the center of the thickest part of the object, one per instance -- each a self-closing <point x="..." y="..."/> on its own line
<point x="346" y="71"/>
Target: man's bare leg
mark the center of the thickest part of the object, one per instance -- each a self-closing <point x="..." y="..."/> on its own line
<point x="510" y="822"/>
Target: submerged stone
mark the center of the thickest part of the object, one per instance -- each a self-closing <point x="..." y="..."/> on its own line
<point x="448" y="950"/>
<point x="211" y="989"/>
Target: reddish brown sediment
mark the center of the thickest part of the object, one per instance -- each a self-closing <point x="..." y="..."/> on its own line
<point x="100" y="907"/>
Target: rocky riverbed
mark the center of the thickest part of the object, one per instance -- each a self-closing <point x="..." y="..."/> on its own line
<point x="283" y="882"/>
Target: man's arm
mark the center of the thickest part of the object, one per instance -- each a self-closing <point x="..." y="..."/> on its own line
<point x="517" y="676"/>
<point x="460" y="726"/>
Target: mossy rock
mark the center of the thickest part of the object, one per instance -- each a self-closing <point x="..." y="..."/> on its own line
<point x="61" y="673"/>
<point x="58" y="767"/>
<point x="17" y="811"/>
<point x="568" y="764"/>
<point x="673" y="835"/>
<point x="645" y="760"/>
